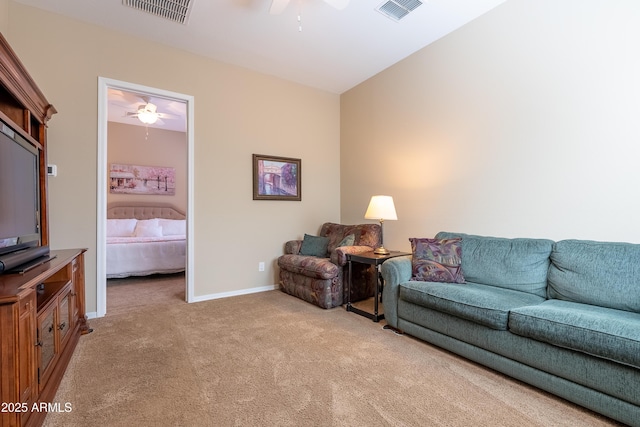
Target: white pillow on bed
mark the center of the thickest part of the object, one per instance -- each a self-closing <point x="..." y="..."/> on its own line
<point x="147" y="222"/>
<point x="121" y="227"/>
<point x="148" y="230"/>
<point x="173" y="227"/>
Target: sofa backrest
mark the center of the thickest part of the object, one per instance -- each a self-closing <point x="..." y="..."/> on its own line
<point x="520" y="264"/>
<point x="606" y="274"/>
<point x="365" y="234"/>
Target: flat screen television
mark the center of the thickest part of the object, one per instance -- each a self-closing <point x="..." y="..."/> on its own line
<point x="19" y="192"/>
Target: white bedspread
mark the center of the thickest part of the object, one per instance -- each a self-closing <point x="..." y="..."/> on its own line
<point x="141" y="256"/>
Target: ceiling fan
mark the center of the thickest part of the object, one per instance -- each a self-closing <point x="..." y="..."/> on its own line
<point x="148" y="113"/>
<point x="277" y="6"/>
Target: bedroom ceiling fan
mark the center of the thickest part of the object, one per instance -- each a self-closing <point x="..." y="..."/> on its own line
<point x="148" y="113"/>
<point x="277" y="6"/>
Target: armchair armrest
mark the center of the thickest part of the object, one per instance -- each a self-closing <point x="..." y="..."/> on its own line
<point x="292" y="247"/>
<point x="339" y="255"/>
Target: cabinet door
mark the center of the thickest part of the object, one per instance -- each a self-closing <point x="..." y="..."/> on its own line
<point x="76" y="278"/>
<point x="47" y="343"/>
<point x="27" y="381"/>
<point x="79" y="295"/>
<point x="66" y="313"/>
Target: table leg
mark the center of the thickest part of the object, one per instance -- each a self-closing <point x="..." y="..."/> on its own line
<point x="375" y="297"/>
<point x="349" y="288"/>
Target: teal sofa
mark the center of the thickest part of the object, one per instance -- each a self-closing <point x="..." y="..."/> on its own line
<point x="562" y="316"/>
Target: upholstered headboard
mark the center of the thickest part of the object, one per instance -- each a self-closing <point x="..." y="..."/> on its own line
<point x="143" y="211"/>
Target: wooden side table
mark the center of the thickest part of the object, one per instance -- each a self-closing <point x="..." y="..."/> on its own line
<point x="375" y="260"/>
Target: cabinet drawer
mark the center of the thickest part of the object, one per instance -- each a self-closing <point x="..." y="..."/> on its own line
<point x="27" y="303"/>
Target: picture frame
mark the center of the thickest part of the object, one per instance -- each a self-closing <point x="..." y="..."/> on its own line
<point x="137" y="179"/>
<point x="276" y="178"/>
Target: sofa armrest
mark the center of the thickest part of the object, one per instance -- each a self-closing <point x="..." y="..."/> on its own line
<point x="339" y="255"/>
<point x="394" y="272"/>
<point x="292" y="247"/>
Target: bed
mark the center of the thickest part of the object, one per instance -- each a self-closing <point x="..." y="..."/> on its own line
<point x="144" y="240"/>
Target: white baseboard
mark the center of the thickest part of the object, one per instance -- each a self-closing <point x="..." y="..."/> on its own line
<point x="234" y="293"/>
<point x="92" y="315"/>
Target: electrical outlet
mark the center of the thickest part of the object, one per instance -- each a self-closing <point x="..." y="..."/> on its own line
<point x="261" y="266"/>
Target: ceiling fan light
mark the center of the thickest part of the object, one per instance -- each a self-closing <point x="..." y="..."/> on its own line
<point x="152" y="108"/>
<point x="147" y="117"/>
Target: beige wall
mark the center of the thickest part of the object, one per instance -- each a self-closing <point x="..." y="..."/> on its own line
<point x="237" y="113"/>
<point x="4" y="16"/>
<point x="135" y="145"/>
<point x="522" y="123"/>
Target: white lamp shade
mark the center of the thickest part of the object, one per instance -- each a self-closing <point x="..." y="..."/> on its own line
<point x="381" y="208"/>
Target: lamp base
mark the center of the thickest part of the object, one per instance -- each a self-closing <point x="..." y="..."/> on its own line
<point x="381" y="251"/>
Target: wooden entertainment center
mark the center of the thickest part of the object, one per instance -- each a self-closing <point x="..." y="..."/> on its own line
<point x="42" y="310"/>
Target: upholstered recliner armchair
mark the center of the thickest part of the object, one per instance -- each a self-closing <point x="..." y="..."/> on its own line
<point x="322" y="279"/>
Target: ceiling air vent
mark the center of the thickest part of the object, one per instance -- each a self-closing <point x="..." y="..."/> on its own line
<point x="173" y="10"/>
<point x="398" y="9"/>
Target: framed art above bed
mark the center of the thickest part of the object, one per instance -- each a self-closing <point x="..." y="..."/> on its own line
<point x="135" y="179"/>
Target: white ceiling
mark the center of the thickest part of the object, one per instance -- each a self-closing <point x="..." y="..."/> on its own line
<point x="335" y="51"/>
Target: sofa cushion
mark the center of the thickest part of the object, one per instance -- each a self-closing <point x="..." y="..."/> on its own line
<point x="319" y="268"/>
<point x="436" y="260"/>
<point x="518" y="264"/>
<point x="314" y="246"/>
<point x="597" y="273"/>
<point x="603" y="332"/>
<point x="483" y="304"/>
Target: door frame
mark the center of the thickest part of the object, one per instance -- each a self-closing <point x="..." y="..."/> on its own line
<point x="101" y="271"/>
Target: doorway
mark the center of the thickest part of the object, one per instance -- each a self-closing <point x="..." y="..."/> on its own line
<point x="104" y="85"/>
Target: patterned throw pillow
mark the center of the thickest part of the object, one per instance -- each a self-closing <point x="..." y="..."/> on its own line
<point x="314" y="246"/>
<point x="436" y="260"/>
<point x="348" y="240"/>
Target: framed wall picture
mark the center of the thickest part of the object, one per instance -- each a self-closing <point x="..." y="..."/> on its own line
<point x="276" y="178"/>
<point x="135" y="179"/>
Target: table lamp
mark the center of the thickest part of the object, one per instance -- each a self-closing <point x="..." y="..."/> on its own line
<point x="381" y="208"/>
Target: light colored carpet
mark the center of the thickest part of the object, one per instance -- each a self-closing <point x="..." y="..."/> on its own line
<point x="269" y="359"/>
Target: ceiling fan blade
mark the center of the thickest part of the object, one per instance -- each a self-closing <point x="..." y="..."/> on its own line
<point x="168" y="116"/>
<point x="338" y="4"/>
<point x="128" y="98"/>
<point x="277" y="6"/>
